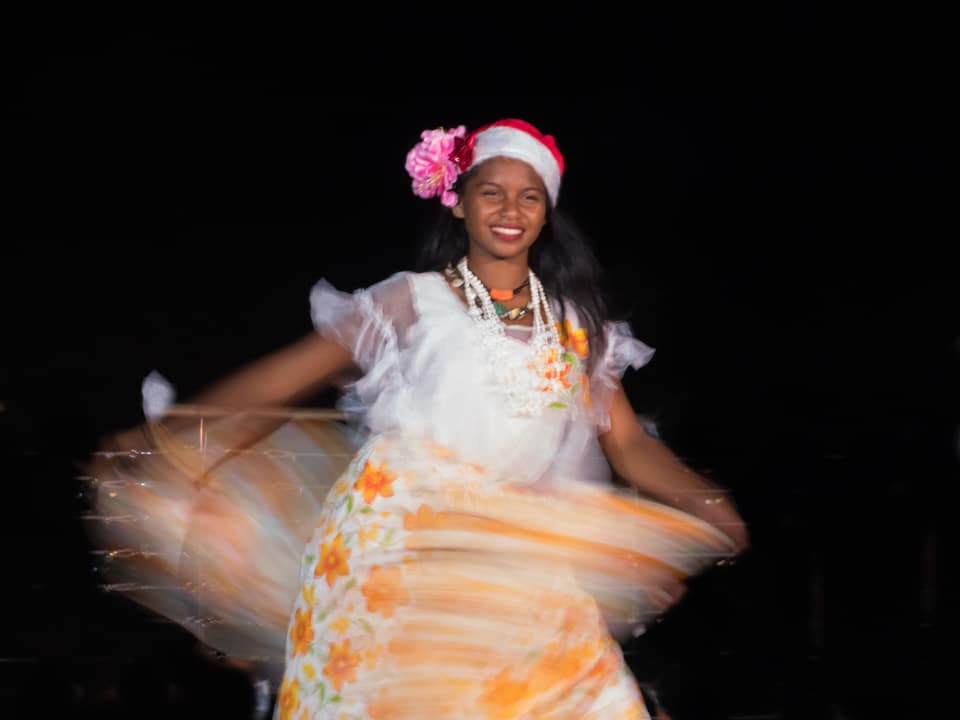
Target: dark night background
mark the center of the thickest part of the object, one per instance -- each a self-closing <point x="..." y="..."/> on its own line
<point x="771" y="192"/>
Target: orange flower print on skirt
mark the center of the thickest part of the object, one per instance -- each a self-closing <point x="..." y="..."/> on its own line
<point x="333" y="561"/>
<point x="433" y="589"/>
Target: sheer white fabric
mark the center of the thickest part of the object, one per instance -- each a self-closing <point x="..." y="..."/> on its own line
<point x="424" y="378"/>
<point x="622" y="351"/>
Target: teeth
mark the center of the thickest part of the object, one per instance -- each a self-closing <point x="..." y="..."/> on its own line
<point x="507" y="231"/>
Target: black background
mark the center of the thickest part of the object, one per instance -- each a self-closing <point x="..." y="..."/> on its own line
<point x="770" y="190"/>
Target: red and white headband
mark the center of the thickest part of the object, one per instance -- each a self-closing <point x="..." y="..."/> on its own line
<point x="441" y="156"/>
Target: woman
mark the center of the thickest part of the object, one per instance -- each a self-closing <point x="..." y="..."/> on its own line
<point x="472" y="558"/>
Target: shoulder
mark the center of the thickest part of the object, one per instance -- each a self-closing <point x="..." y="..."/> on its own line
<point x="405" y="295"/>
<point x="406" y="280"/>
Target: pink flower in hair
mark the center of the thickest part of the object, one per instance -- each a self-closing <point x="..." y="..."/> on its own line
<point x="429" y="163"/>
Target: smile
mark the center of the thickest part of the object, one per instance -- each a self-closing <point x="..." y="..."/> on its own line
<point x="506" y="233"/>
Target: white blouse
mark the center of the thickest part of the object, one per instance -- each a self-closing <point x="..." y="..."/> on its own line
<point x="425" y="379"/>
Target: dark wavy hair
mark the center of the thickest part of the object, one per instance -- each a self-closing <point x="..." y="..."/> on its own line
<point x="562" y="257"/>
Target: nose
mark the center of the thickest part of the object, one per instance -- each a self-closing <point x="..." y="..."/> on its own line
<point x="510" y="207"/>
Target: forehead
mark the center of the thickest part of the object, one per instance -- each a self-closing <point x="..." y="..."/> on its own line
<point x="508" y="171"/>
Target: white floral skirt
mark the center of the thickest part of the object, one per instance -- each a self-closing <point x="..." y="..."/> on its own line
<point x="427" y="588"/>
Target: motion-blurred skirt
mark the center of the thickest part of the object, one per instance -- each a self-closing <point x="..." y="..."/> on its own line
<point x="397" y="580"/>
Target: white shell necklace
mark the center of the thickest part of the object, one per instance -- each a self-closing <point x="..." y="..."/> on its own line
<point x="532" y="378"/>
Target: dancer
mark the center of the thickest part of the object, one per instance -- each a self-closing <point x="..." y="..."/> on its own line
<point x="473" y="557"/>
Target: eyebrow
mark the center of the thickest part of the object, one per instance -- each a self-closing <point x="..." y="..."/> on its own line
<point x="526" y="189"/>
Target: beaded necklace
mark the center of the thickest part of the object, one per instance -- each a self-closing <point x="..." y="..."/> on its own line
<point x="530" y="378"/>
<point x="498" y="296"/>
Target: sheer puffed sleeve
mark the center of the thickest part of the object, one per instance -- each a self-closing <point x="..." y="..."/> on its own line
<point x="372" y="324"/>
<point x="622" y="350"/>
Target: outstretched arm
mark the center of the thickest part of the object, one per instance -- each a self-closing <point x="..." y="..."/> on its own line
<point x="650" y="466"/>
<point x="281" y="378"/>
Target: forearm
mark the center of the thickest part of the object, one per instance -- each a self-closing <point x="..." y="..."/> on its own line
<point x="282" y="378"/>
<point x="652" y="468"/>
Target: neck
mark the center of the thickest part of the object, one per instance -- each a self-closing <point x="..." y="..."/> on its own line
<point x="499" y="273"/>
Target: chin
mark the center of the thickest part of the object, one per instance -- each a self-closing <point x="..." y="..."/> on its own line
<point x="509" y="252"/>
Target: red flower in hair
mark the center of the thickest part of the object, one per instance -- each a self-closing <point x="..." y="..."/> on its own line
<point x="462" y="153"/>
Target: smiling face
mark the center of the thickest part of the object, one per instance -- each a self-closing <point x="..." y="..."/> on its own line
<point x="504" y="208"/>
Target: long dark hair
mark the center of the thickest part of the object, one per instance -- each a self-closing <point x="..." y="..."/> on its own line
<point x="562" y="257"/>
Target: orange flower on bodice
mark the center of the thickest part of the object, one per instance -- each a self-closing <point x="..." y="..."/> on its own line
<point x="573" y="338"/>
<point x="557" y="371"/>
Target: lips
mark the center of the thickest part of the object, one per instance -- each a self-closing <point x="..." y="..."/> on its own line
<point x="507" y="233"/>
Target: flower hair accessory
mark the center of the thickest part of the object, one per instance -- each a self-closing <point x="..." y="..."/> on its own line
<point x="431" y="164"/>
<point x="442" y="155"/>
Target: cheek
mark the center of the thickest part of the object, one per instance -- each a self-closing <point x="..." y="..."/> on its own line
<point x="539" y="232"/>
<point x="536" y="215"/>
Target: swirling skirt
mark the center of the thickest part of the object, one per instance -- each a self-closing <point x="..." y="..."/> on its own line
<point x="397" y="580"/>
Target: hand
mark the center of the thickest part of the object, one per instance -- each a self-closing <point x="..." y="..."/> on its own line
<point x="116" y="452"/>
<point x="132" y="439"/>
<point x="675" y="590"/>
<point x="718" y="510"/>
<point x="714" y="506"/>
